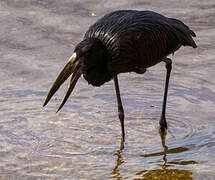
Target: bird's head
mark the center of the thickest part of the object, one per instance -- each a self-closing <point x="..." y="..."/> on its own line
<point x="89" y="59"/>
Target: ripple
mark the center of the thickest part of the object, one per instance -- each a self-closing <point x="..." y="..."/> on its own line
<point x="83" y="140"/>
<point x="180" y="129"/>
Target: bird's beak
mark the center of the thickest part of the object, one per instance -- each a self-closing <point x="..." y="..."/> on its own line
<point x="73" y="68"/>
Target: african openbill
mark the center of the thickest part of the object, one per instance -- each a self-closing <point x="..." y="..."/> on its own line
<point x="124" y="41"/>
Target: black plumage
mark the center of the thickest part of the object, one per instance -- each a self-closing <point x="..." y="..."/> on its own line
<point x="124" y="41"/>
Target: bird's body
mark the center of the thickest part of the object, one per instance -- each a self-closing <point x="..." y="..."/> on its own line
<point x="136" y="40"/>
<point x="124" y="41"/>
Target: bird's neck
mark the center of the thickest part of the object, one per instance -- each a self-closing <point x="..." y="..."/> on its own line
<point x="93" y="61"/>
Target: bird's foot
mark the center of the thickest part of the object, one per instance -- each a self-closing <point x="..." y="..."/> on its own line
<point x="162" y="122"/>
<point x="123" y="135"/>
<point x="163" y="128"/>
<point x="122" y="143"/>
<point x="163" y="132"/>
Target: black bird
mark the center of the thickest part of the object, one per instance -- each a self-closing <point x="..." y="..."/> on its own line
<point x="124" y="41"/>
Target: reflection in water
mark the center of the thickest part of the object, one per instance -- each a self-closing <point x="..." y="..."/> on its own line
<point x="166" y="174"/>
<point x="119" y="161"/>
<point x="163" y="173"/>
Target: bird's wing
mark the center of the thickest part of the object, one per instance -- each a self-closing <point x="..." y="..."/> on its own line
<point x="139" y="38"/>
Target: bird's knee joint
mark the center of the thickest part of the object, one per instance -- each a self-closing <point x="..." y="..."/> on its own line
<point x="169" y="66"/>
<point x="168" y="61"/>
<point x="163" y="123"/>
<point x="121" y="115"/>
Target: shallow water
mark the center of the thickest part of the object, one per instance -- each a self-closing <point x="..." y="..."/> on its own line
<point x="83" y="140"/>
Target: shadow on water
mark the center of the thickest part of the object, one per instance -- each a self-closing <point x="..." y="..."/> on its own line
<point x="164" y="173"/>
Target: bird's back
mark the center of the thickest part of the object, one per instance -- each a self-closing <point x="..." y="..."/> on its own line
<point x="136" y="40"/>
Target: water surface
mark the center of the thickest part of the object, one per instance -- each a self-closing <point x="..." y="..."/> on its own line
<point x="83" y="140"/>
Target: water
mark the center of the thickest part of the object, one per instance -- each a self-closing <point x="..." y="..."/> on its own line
<point x="83" y="140"/>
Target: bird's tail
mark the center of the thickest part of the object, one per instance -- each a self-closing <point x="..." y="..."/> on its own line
<point x="183" y="32"/>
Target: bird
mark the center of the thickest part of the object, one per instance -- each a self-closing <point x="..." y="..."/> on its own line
<point x="124" y="41"/>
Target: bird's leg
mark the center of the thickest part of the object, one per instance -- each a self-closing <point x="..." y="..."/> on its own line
<point x="163" y="124"/>
<point x="120" y="107"/>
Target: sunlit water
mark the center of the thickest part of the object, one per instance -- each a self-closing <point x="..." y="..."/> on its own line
<point x="83" y="140"/>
